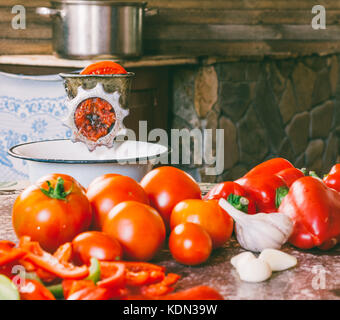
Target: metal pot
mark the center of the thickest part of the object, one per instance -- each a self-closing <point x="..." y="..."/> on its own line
<point x="84" y="29"/>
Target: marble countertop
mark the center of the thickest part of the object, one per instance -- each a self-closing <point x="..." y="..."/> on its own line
<point x="316" y="277"/>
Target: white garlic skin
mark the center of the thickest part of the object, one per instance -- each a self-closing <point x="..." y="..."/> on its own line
<point x="255" y="270"/>
<point x="259" y="231"/>
<point x="278" y="260"/>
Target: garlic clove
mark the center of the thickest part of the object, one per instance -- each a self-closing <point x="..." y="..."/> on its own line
<point x="278" y="260"/>
<point x="241" y="258"/>
<point x="255" y="270"/>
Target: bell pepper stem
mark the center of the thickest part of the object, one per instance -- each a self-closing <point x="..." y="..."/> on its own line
<point x="238" y="202"/>
<point x="281" y="192"/>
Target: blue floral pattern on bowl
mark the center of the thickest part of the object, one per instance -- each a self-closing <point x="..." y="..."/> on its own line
<point x="31" y="109"/>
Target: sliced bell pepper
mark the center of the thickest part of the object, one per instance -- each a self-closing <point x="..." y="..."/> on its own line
<point x="269" y="167"/>
<point x="94" y="270"/>
<point x="235" y="194"/>
<point x="47" y="262"/>
<point x="315" y="210"/>
<point x="64" y="252"/>
<point x="69" y="287"/>
<point x="117" y="278"/>
<point x="195" y="293"/>
<point x="143" y="273"/>
<point x="264" y="190"/>
<point x="10" y="254"/>
<point x="30" y="289"/>
<point x="161" y="288"/>
<point x="332" y="179"/>
<point x="95" y="293"/>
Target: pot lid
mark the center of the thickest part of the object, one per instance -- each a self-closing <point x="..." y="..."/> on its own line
<point x="102" y="2"/>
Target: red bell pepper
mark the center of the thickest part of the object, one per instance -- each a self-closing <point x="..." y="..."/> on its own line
<point x="116" y="279"/>
<point x="30" y="289"/>
<point x="290" y="175"/>
<point x="195" y="293"/>
<point x="161" y="288"/>
<point x="315" y="210"/>
<point x="47" y="262"/>
<point x="270" y="167"/>
<point x="10" y="254"/>
<point x="332" y="179"/>
<point x="266" y="190"/>
<point x="235" y="194"/>
<point x="90" y="293"/>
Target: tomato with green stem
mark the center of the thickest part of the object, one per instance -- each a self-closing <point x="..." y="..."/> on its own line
<point x="52" y="211"/>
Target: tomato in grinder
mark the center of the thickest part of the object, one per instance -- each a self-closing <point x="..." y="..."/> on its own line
<point x="103" y="67"/>
<point x="94" y="118"/>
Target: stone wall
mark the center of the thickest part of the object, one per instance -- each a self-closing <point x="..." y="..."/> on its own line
<point x="288" y="108"/>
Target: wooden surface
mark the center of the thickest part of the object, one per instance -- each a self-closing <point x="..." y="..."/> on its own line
<point x="53" y="61"/>
<point x="317" y="275"/>
<point x="202" y="27"/>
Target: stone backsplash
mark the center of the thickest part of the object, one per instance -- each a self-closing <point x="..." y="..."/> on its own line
<point x="288" y="108"/>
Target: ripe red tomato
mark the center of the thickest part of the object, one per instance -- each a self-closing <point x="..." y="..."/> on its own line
<point x="108" y="190"/>
<point x="103" y="67"/>
<point x="208" y="214"/>
<point x="190" y="244"/>
<point x="95" y="244"/>
<point x="52" y="211"/>
<point x="139" y="229"/>
<point x="167" y="186"/>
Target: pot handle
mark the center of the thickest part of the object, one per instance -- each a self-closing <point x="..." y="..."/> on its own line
<point x="149" y="12"/>
<point x="47" y="12"/>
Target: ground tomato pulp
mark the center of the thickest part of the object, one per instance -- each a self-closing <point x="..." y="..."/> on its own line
<point x="94" y="118"/>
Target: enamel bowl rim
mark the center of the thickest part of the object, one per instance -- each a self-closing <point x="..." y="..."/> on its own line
<point x="12" y="152"/>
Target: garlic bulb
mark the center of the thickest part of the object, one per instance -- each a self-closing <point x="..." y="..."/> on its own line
<point x="259" y="231"/>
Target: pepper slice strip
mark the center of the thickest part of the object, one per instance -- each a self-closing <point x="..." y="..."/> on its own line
<point x="163" y="287"/>
<point x="116" y="279"/>
<point x="143" y="273"/>
<point x="47" y="262"/>
<point x="51" y="264"/>
<point x="10" y="254"/>
<point x="34" y="290"/>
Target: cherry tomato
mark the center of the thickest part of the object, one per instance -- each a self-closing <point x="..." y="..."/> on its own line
<point x="108" y="190"/>
<point x="208" y="214"/>
<point x="190" y="244"/>
<point x="104" y="67"/>
<point x="138" y="227"/>
<point x="95" y="244"/>
<point x="52" y="211"/>
<point x="167" y="186"/>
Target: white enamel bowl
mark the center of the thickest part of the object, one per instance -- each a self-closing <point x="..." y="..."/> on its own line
<point x="129" y="158"/>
